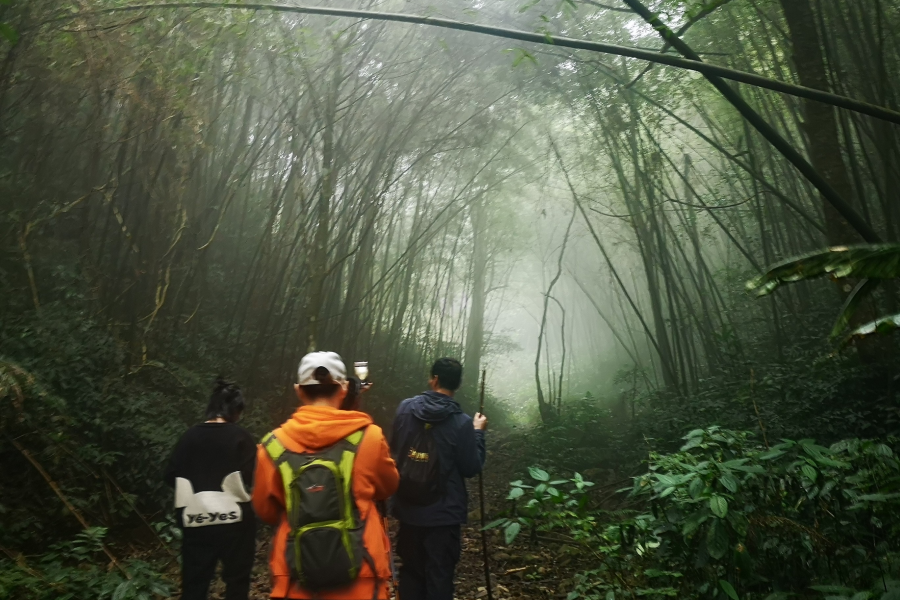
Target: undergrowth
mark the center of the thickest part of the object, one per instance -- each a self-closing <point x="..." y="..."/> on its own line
<point x="727" y="516"/>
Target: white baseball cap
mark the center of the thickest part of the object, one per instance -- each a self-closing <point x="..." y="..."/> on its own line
<point x="306" y="373"/>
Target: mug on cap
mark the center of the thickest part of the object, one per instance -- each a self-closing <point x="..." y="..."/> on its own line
<point x="306" y="373"/>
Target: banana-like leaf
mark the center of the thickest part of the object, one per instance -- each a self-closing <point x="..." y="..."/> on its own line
<point x="882" y="325"/>
<point x="864" y="261"/>
<point x="862" y="291"/>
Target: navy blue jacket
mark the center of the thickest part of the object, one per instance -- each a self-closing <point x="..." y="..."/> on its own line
<point x="461" y="451"/>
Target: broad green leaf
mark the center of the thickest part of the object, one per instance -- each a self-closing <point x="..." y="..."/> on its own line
<point x="872" y="261"/>
<point x="728" y="589"/>
<point x="515" y="493"/>
<point x="696" y="487"/>
<point x="667" y="480"/>
<point x="739" y="522"/>
<point x="495" y="523"/>
<point x="860" y="292"/>
<point x="692" y="443"/>
<point x="883" y="325"/>
<point x="121" y="590"/>
<point x="717" y="540"/>
<point x="693" y="522"/>
<point x="538" y="474"/>
<point x="729" y="482"/>
<point x="809" y="472"/>
<point x="719" y="506"/>
<point x="771" y="454"/>
<point x="877" y="497"/>
<point x="511" y="531"/>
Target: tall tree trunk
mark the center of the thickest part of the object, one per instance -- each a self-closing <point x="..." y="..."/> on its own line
<point x="475" y="327"/>
<point x="323" y="209"/>
<point x="819" y="124"/>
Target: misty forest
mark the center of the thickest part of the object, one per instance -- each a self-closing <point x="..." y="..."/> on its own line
<point x="667" y="230"/>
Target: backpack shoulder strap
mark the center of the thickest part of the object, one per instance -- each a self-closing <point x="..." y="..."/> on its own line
<point x="350" y="446"/>
<point x="356" y="437"/>
<point x="273" y="447"/>
<point x="278" y="453"/>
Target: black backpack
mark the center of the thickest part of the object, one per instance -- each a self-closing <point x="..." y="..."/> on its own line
<point x="419" y="465"/>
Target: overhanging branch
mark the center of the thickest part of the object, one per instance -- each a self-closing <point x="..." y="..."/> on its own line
<point x="872" y="110"/>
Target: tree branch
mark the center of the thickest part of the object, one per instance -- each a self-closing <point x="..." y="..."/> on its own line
<point x="878" y="112"/>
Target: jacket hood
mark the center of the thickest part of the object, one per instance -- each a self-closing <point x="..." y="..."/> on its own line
<point x="321" y="426"/>
<point x="433" y="407"/>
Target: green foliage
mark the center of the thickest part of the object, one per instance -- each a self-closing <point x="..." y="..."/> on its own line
<point x="729" y="518"/>
<point x="71" y="571"/>
<point x="782" y="518"/>
<point x="102" y="437"/>
<point x="865" y="261"/>
<point x="869" y="262"/>
<point x="546" y="505"/>
<point x="883" y="325"/>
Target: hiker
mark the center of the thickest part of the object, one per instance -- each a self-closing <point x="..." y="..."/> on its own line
<point x="436" y="446"/>
<point x="318" y="478"/>
<point x="211" y="470"/>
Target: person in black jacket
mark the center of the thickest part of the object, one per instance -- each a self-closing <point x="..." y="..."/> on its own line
<point x="212" y="471"/>
<point x="428" y="541"/>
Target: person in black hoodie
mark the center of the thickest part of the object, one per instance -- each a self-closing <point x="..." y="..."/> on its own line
<point x="212" y="471"/>
<point x="432" y="430"/>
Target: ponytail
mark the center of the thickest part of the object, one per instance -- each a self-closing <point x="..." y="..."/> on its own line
<point x="226" y="401"/>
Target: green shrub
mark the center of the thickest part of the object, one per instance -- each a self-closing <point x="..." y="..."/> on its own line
<point x="71" y="571"/>
<point x="729" y="517"/>
<point x="779" y="518"/>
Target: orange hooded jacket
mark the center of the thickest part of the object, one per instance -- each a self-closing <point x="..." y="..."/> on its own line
<point x="375" y="478"/>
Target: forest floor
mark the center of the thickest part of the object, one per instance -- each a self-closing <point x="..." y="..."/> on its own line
<point x="523" y="570"/>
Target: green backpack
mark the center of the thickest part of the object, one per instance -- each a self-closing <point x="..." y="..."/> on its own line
<point x="325" y="546"/>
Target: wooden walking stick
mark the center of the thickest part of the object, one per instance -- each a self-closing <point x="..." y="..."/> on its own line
<point x="484" y="548"/>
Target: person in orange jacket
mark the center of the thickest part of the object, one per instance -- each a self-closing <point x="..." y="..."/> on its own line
<point x="320" y="423"/>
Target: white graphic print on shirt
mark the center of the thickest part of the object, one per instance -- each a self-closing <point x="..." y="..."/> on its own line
<point x="211" y="508"/>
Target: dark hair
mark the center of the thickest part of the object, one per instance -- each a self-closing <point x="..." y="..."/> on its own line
<point x="449" y="373"/>
<point x="351" y="400"/>
<point x="226" y="401"/>
<point x="321" y="390"/>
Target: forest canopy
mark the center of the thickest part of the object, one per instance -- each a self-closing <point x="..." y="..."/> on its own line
<point x="681" y="279"/>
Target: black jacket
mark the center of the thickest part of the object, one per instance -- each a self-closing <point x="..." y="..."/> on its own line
<point x="461" y="450"/>
<point x="208" y="455"/>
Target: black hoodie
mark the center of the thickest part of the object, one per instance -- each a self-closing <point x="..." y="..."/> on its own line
<point x="461" y="450"/>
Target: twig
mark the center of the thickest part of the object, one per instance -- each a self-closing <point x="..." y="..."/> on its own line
<point x="518" y="570"/>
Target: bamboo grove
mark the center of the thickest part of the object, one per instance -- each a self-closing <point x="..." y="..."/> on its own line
<point x="186" y="192"/>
